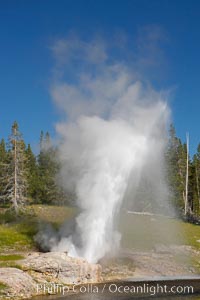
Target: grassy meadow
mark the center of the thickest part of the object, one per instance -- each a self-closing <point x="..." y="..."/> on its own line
<point x="144" y="232"/>
<point x="138" y="232"/>
<point x="17" y="233"/>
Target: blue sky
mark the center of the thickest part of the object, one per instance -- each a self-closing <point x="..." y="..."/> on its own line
<point x="29" y="29"/>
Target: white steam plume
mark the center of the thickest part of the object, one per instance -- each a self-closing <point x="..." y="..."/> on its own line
<point x="114" y="126"/>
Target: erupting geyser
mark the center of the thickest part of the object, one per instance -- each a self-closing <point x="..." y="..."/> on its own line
<point x="114" y="126"/>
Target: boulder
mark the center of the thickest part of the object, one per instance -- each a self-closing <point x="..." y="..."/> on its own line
<point x="59" y="267"/>
<point x="20" y="284"/>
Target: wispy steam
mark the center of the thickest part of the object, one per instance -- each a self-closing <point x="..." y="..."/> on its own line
<point x="114" y="126"/>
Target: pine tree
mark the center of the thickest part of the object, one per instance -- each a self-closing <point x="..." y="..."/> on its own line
<point x="182" y="170"/>
<point x="47" y="168"/>
<point x="32" y="174"/>
<point x="176" y="156"/>
<point x="15" y="182"/>
<point x="196" y="176"/>
<point x="3" y="162"/>
<point x="183" y="177"/>
<point x="2" y="150"/>
<point x="192" y="191"/>
<point x="173" y="159"/>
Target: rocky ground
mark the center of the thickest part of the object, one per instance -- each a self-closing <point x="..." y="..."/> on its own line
<point x="37" y="270"/>
<point x="22" y="267"/>
<point x="162" y="261"/>
<point x="53" y="267"/>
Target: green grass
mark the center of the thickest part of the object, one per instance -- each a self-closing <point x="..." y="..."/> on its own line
<point x="10" y="260"/>
<point x="191" y="234"/>
<point x="10" y="257"/>
<point x="10" y="264"/>
<point x="7" y="216"/>
<point x="16" y="233"/>
<point x="12" y="238"/>
<point x="2" y="286"/>
<point x="145" y="232"/>
<point x="138" y="232"/>
<point x="53" y="214"/>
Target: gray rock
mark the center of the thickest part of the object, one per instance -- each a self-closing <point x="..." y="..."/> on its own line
<point x="59" y="267"/>
<point x="20" y="284"/>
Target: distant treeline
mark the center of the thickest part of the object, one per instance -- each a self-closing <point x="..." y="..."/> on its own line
<point x="28" y="178"/>
<point x="183" y="174"/>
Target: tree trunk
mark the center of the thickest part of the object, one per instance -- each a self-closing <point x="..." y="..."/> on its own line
<point x="15" y="204"/>
<point x="186" y="181"/>
<point x="197" y="183"/>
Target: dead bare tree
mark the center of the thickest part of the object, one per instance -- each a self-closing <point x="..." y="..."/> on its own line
<point x="15" y="181"/>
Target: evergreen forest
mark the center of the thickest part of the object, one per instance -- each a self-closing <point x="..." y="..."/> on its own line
<point x="27" y="178"/>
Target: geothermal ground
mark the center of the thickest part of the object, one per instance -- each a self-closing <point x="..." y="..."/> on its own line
<point x="150" y="245"/>
<point x="148" y="248"/>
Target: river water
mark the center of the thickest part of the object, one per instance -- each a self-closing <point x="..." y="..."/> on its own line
<point x="175" y="289"/>
<point x="106" y="296"/>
